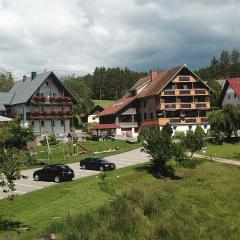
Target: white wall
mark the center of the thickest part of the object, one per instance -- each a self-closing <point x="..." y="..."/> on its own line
<point x="230" y="94"/>
<point x="185" y="128"/>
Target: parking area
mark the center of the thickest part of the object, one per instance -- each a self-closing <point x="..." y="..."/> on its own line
<point x="121" y="160"/>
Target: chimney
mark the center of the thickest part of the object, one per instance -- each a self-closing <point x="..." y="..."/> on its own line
<point x="33" y="75"/>
<point x="154" y="74"/>
<point x="24" y="78"/>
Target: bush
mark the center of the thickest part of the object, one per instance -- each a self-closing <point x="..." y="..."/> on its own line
<point x="216" y="137"/>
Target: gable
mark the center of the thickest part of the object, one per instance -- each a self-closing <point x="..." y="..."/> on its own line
<point x="24" y="90"/>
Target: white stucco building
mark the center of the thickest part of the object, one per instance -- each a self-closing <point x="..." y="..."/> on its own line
<point x="43" y="103"/>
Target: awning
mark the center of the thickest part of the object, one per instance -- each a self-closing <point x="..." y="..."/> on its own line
<point x="101" y="126"/>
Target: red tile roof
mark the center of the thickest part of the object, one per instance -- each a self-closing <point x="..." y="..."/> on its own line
<point x="105" y="126"/>
<point x="116" y="107"/>
<point x="235" y="85"/>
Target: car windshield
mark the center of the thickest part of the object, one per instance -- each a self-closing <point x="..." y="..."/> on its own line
<point x="104" y="160"/>
<point x="65" y="167"/>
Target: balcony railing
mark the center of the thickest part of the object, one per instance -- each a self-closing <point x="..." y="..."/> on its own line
<point x="175" y="120"/>
<point x="169" y="92"/>
<point x="42" y="100"/>
<point x="184" y="92"/>
<point x="182" y="121"/>
<point x="168" y="106"/>
<point x="179" y="105"/>
<point x="49" y="114"/>
<point x="200" y="91"/>
<point x="201" y="105"/>
<point x="186" y="105"/>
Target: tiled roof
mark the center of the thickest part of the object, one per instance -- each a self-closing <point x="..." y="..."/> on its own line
<point x="157" y="84"/>
<point x="116" y="107"/>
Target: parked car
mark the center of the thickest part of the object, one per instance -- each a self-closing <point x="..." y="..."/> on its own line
<point x="96" y="163"/>
<point x="55" y="172"/>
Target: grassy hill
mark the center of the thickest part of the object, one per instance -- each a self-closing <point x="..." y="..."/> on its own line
<point x="129" y="203"/>
<point x="103" y="103"/>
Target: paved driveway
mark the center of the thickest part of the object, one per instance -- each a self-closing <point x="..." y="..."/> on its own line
<point x="121" y="160"/>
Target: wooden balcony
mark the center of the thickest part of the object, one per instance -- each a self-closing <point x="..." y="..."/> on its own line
<point x="49" y="115"/>
<point x="61" y="100"/>
<point x="172" y="121"/>
<point x="186" y="120"/>
<point x="181" y="105"/>
<point x="184" y="79"/>
<point x="185" y="92"/>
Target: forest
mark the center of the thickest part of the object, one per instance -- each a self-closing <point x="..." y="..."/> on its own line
<point x="113" y="83"/>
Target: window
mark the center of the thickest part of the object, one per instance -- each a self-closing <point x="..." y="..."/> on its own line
<point x="235" y="95"/>
<point x="46" y="83"/>
<point x="174" y="127"/>
<point x="151" y="115"/>
<point x="32" y="123"/>
<point x="125" y="118"/>
<point x="62" y="123"/>
<point x="229" y="96"/>
<point x="144" y="103"/>
<point x="42" y="94"/>
<point x="205" y="126"/>
<point x="52" y="123"/>
<point x="54" y="94"/>
<point x="42" y="123"/>
<point x="184" y="78"/>
<point x="145" y="116"/>
<point x="190" y="127"/>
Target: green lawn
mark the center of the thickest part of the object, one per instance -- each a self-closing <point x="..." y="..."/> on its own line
<point x="104" y="103"/>
<point x="203" y="203"/>
<point x="228" y="151"/>
<point x="60" y="152"/>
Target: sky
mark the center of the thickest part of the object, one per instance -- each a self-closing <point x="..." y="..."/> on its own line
<point x="75" y="36"/>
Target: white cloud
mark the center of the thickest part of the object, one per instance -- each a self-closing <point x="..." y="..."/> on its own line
<point x="78" y="35"/>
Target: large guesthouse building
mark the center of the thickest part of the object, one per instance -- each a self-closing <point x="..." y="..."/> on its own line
<point x="176" y="96"/>
<point x="42" y="101"/>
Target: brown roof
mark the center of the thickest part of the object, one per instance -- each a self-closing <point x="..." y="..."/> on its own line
<point x="116" y="107"/>
<point x="157" y="84"/>
<point x="140" y="82"/>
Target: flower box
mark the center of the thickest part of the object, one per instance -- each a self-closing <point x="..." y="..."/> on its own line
<point x="61" y="113"/>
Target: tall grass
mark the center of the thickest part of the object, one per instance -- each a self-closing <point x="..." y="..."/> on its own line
<point x="176" y="212"/>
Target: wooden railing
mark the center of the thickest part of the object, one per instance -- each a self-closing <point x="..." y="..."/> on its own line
<point x="172" y="121"/>
<point x="183" y="105"/>
<point x="185" y="92"/>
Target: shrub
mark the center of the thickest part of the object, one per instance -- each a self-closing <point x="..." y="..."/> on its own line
<point x="216" y="137"/>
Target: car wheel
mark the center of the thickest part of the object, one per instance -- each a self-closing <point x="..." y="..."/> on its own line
<point x="83" y="166"/>
<point x="57" y="179"/>
<point x="36" y="177"/>
<point x="101" y="168"/>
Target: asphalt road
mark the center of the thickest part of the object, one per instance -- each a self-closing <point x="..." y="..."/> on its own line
<point x="121" y="160"/>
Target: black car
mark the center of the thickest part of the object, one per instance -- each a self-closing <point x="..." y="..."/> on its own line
<point x="55" y="172"/>
<point x="96" y="163"/>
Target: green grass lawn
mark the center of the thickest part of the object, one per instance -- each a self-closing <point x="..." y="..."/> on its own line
<point x="104" y="103"/>
<point x="228" y="151"/>
<point x="60" y="152"/>
<point x="203" y="203"/>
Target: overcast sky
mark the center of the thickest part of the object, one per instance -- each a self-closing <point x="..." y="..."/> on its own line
<point x="78" y="35"/>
